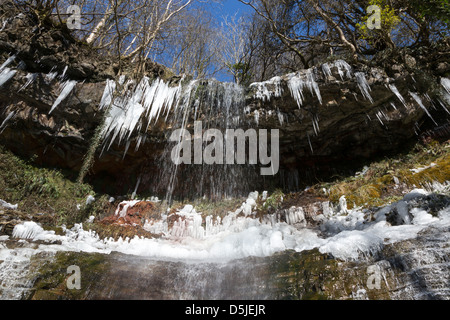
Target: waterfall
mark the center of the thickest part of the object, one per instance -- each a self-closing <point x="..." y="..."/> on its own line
<point x="134" y="108"/>
<point x="219" y="106"/>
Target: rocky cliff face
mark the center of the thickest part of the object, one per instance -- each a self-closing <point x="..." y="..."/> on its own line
<point x="330" y="117"/>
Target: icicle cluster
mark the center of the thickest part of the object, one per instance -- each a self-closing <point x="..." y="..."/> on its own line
<point x="6" y="73"/>
<point x="126" y="112"/>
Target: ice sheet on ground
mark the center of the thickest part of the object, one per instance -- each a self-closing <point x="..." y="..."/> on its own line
<point x="236" y="236"/>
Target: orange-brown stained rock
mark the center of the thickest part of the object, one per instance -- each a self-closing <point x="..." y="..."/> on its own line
<point x="136" y="215"/>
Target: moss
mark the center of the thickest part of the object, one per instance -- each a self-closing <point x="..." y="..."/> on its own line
<point x="311" y="275"/>
<point x="377" y="186"/>
<point x="274" y="201"/>
<point x="51" y="280"/>
<point x="37" y="190"/>
<point x="300" y="276"/>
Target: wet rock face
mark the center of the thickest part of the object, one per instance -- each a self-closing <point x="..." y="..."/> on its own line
<point x="407" y="270"/>
<point x="340" y="121"/>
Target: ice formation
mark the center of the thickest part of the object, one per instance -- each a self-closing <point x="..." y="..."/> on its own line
<point x="239" y="234"/>
<point x="7" y="62"/>
<point x="5" y="75"/>
<point x="125" y="112"/>
<point x="420" y="103"/>
<point x="363" y="85"/>
<point x="344" y="69"/>
<point x="298" y="82"/>
<point x="31" y="77"/>
<point x="5" y="122"/>
<point x="66" y="89"/>
<point x="262" y="89"/>
<point x="6" y="205"/>
<point x="397" y="93"/>
<point x="445" y="82"/>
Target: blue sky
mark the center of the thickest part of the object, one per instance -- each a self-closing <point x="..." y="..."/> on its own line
<point x="230" y="7"/>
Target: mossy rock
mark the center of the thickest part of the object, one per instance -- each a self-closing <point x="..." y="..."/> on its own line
<point x="50" y="280"/>
<point x="311" y="275"/>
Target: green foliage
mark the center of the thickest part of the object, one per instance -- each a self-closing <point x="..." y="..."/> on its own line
<point x="383" y="181"/>
<point x="50" y="277"/>
<point x="42" y="190"/>
<point x="432" y="9"/>
<point x="274" y="201"/>
<point x="242" y="73"/>
<point x="389" y="20"/>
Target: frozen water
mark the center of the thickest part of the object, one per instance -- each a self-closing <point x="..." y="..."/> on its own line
<point x="297" y="84"/>
<point x="126" y="112"/>
<point x="6" y="205"/>
<point x="363" y="85"/>
<point x="5" y="122"/>
<point x="397" y="93"/>
<point x="445" y="82"/>
<point x="420" y="103"/>
<point x="5" y="75"/>
<point x="31" y="77"/>
<point x="195" y="237"/>
<point x="66" y="89"/>
<point x="7" y="62"/>
<point x="344" y="69"/>
<point x="263" y="92"/>
<point x="27" y="230"/>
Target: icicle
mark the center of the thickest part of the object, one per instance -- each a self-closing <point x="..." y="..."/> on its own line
<point x="313" y="86"/>
<point x="363" y="85"/>
<point x="296" y="85"/>
<point x="126" y="112"/>
<point x="7" y="62"/>
<point x="256" y="117"/>
<point x="5" y="75"/>
<point x="342" y="67"/>
<point x="31" y="77"/>
<point x="4" y="123"/>
<point x="326" y="69"/>
<point x="122" y="79"/>
<point x="262" y="91"/>
<point x="420" y="103"/>
<point x="127" y="146"/>
<point x="4" y="22"/>
<point x="158" y="96"/>
<point x="280" y="117"/>
<point x="63" y="76"/>
<point x="108" y="94"/>
<point x="310" y="144"/>
<point x="66" y="89"/>
<point x="378" y="115"/>
<point x="49" y="77"/>
<point x="446" y="84"/>
<point x="397" y="93"/>
<point x="139" y="141"/>
<point x="315" y="120"/>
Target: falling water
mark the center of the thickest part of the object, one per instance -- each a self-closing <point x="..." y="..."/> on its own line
<point x="139" y="108"/>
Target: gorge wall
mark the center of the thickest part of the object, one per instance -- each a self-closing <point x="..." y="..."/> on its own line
<point x="58" y="98"/>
